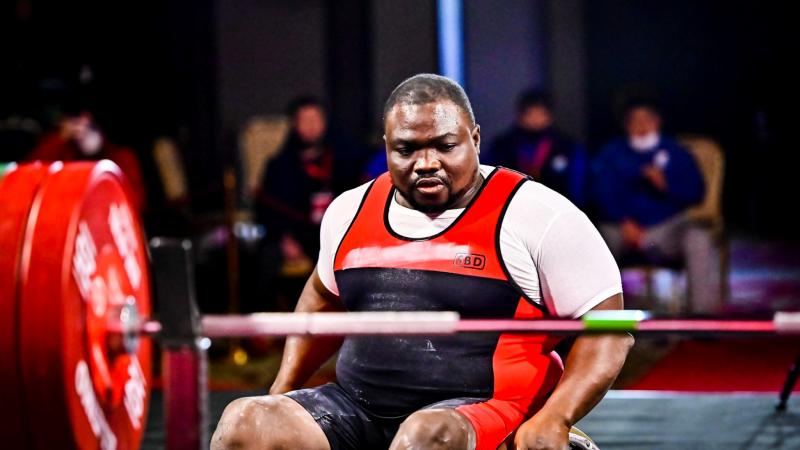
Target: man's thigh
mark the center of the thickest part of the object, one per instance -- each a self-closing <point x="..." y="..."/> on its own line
<point x="345" y="424"/>
<point x="665" y="240"/>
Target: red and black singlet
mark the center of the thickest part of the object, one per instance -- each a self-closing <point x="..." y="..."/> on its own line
<point x="459" y="269"/>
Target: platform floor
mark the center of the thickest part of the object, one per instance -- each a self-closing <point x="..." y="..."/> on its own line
<point x="634" y="420"/>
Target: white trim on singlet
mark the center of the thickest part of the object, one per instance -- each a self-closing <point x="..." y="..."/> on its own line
<point x="550" y="248"/>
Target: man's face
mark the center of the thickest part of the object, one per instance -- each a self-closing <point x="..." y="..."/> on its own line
<point x="642" y="121"/>
<point x="432" y="154"/>
<point x="310" y="124"/>
<point x="535" y="118"/>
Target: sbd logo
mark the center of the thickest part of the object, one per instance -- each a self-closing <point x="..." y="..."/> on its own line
<point x="470" y="261"/>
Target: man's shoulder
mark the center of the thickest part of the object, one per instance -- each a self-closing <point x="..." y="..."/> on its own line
<point x="350" y="199"/>
<point x="538" y="199"/>
<point x="531" y="215"/>
<point x="672" y="144"/>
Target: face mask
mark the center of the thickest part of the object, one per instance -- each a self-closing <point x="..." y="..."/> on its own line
<point x="644" y="143"/>
<point x="90" y="142"/>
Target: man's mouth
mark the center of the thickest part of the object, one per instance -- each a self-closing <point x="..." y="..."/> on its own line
<point x="430" y="185"/>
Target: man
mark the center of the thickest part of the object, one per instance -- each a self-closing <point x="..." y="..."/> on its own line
<point x="643" y="184"/>
<point x="441" y="232"/>
<point x="534" y="146"/>
<point x="79" y="138"/>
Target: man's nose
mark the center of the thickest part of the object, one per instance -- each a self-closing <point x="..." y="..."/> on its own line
<point x="427" y="161"/>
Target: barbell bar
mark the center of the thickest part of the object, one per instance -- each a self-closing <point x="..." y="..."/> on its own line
<point x="448" y="322"/>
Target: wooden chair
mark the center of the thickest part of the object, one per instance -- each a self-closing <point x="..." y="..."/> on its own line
<point x="259" y="142"/>
<point x="711" y="162"/>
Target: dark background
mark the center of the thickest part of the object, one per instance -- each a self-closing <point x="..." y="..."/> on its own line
<point x="197" y="70"/>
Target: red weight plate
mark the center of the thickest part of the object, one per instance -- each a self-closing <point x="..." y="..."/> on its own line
<point x="84" y="262"/>
<point x="18" y="186"/>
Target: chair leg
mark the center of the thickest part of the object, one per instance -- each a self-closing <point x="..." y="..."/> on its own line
<point x="678" y="298"/>
<point x="650" y="290"/>
<point x="788" y="385"/>
<point x="662" y="296"/>
<point x="725" y="270"/>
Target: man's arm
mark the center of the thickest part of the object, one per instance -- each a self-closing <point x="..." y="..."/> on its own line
<point x="683" y="178"/>
<point x="302" y="356"/>
<point x="591" y="367"/>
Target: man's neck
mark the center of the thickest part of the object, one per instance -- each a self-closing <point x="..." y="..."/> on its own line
<point x="470" y="192"/>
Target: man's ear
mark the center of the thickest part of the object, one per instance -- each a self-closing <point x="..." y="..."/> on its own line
<point x="476" y="137"/>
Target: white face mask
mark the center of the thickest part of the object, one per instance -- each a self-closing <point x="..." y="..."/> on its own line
<point x="91" y="142"/>
<point x="644" y="143"/>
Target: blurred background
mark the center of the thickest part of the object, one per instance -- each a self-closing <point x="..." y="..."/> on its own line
<point x="238" y="121"/>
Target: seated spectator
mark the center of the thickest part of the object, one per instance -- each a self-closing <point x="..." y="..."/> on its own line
<point x="309" y="170"/>
<point x="534" y="146"/>
<point x="79" y="138"/>
<point x="642" y="185"/>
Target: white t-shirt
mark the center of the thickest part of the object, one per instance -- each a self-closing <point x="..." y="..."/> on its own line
<point x="550" y="248"/>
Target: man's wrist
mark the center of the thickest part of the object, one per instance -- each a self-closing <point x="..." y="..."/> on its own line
<point x="555" y="415"/>
<point x="283" y="383"/>
<point x="280" y="388"/>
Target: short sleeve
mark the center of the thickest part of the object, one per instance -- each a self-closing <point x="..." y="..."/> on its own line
<point x="327" y="251"/>
<point x="334" y="225"/>
<point x="576" y="268"/>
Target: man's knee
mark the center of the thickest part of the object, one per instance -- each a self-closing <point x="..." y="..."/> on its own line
<point x="258" y="422"/>
<point x="434" y="429"/>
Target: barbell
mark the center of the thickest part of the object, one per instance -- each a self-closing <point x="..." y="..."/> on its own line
<point x="76" y="314"/>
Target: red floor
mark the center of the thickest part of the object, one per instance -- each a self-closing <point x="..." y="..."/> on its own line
<point x="724" y="365"/>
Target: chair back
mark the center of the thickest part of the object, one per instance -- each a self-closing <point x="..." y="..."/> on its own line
<point x="259" y="142"/>
<point x="711" y="162"/>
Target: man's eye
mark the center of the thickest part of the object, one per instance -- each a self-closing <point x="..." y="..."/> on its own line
<point x="404" y="151"/>
<point x="447" y="147"/>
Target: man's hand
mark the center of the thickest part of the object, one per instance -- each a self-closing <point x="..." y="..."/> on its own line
<point x="591" y="367"/>
<point x="542" y="432"/>
<point x="75" y="128"/>
<point x="632" y="234"/>
<point x="295" y="260"/>
<point x="291" y="248"/>
<point x="655" y="176"/>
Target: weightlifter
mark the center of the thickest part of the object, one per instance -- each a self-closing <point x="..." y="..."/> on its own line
<point x="439" y="231"/>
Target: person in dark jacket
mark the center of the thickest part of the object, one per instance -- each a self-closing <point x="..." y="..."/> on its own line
<point x="533" y="145"/>
<point x="310" y="169"/>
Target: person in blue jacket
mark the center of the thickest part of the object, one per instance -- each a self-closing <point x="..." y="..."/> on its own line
<point x="642" y="185"/>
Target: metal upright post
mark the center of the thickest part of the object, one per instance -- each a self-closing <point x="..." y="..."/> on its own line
<point x="183" y="348"/>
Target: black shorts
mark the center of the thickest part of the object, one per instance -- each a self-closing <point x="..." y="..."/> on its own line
<point x="348" y="426"/>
